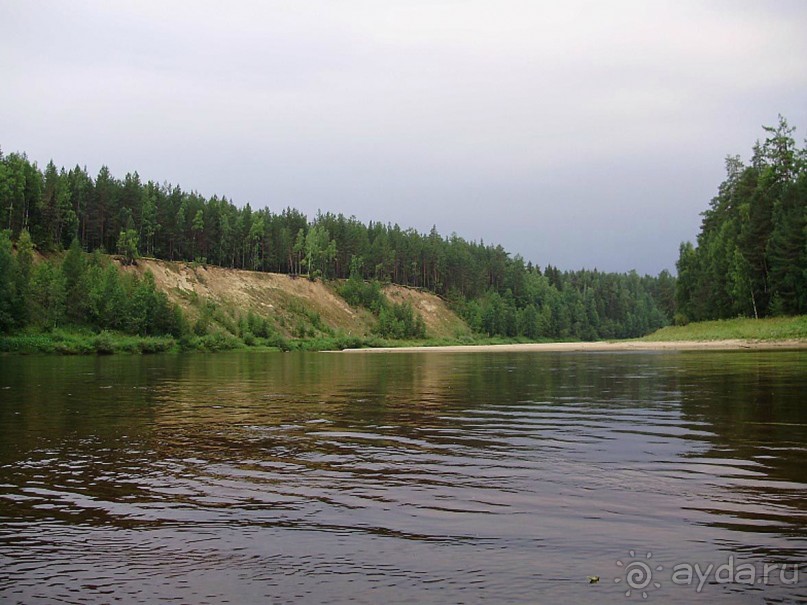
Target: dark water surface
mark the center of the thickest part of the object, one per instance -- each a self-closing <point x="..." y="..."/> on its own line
<point x="403" y="478"/>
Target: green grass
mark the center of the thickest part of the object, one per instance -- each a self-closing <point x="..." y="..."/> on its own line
<point x="336" y="343"/>
<point x="65" y="342"/>
<point x="85" y="342"/>
<point x="342" y="342"/>
<point x="772" y="328"/>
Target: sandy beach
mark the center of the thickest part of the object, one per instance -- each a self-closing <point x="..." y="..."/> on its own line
<point x="638" y="345"/>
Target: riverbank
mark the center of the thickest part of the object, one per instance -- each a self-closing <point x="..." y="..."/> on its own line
<point x="63" y="342"/>
<point x="117" y="344"/>
<point x="725" y="335"/>
<point x="625" y="345"/>
<point x="739" y="328"/>
<point x="84" y="342"/>
<point x="735" y="334"/>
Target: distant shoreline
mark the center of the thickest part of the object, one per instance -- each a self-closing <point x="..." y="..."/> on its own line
<point x="628" y="345"/>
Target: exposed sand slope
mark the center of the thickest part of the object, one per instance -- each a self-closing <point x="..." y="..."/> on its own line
<point x="286" y="299"/>
<point x="632" y="345"/>
<point x="440" y="321"/>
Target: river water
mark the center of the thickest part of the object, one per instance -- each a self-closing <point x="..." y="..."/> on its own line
<point x="254" y="477"/>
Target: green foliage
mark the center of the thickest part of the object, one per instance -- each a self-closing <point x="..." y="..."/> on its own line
<point x="259" y="326"/>
<point x="743" y="328"/>
<point x="25" y="264"/>
<point x="582" y="305"/>
<point x="751" y="254"/>
<point x="84" y="343"/>
<point x="256" y="330"/>
<point x="308" y="317"/>
<point x="218" y="341"/>
<point x="360" y="293"/>
<point x="150" y="312"/>
<point x="336" y="343"/>
<point x="320" y="250"/>
<point x="127" y="245"/>
<point x="9" y="281"/>
<point x="107" y="298"/>
<point x="398" y="320"/>
<point x="499" y="294"/>
<point x="74" y="268"/>
<point x="82" y="292"/>
<point x="47" y="296"/>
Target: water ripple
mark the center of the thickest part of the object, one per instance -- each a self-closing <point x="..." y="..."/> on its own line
<point x="456" y="479"/>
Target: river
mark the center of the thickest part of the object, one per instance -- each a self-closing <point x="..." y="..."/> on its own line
<point x="255" y="477"/>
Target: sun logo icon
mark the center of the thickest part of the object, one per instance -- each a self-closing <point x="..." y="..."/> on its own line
<point x="638" y="575"/>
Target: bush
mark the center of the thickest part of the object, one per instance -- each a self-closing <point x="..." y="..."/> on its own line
<point x="156" y="345"/>
<point x="201" y="325"/>
<point x="400" y="321"/>
<point x="103" y="343"/>
<point x="260" y="326"/>
<point x="680" y="319"/>
<point x="360" y="293"/>
<point x="218" y="341"/>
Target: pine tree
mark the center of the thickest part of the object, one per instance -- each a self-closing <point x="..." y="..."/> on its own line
<point x="9" y="278"/>
<point x="73" y="271"/>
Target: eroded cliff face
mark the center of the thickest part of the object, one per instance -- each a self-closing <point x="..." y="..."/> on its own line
<point x="289" y="301"/>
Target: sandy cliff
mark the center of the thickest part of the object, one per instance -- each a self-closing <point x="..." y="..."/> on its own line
<point x="289" y="301"/>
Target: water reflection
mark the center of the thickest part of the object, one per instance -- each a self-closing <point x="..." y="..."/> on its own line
<point x="436" y="477"/>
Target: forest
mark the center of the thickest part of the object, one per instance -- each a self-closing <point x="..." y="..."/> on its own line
<point x="497" y="293"/>
<point x="751" y="253"/>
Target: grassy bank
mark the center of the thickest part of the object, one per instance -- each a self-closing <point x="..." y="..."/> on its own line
<point x="65" y="342"/>
<point x="772" y="328"/>
<point x="85" y="342"/>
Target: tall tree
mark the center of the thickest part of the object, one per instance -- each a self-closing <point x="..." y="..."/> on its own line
<point x="9" y="271"/>
<point x="751" y="257"/>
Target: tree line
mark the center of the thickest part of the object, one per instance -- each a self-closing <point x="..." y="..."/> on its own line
<point x="81" y="290"/>
<point x="496" y="292"/>
<point x="751" y="254"/>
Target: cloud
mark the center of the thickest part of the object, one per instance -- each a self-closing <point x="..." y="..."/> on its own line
<point x="470" y="114"/>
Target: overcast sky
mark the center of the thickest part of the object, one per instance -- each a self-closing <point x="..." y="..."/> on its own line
<point x="581" y="134"/>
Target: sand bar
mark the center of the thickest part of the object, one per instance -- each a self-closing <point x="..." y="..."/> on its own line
<point x="626" y="345"/>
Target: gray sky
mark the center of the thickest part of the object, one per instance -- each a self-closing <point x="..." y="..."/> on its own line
<point x="581" y="134"/>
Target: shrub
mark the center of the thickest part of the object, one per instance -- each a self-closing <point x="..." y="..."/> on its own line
<point x="400" y="321"/>
<point x="103" y="343"/>
<point x="360" y="293"/>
